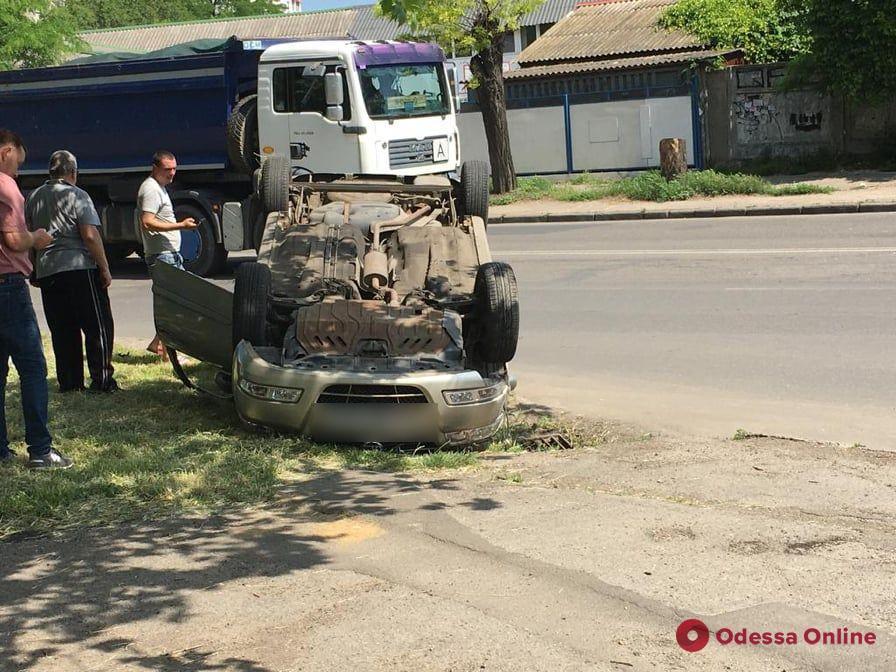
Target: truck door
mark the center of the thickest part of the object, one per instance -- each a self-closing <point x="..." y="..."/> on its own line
<point x="316" y="144"/>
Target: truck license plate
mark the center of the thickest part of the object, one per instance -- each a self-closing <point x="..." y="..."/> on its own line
<point x="439" y="150"/>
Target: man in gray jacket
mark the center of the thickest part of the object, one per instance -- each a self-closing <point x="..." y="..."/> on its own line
<point x="73" y="276"/>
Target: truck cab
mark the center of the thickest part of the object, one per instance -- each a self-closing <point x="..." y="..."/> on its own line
<point x="368" y="108"/>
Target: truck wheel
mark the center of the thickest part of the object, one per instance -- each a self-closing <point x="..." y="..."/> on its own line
<point x="118" y="252"/>
<point x="202" y="254"/>
<point x="242" y="135"/>
<point x="275" y="179"/>
<point x="474" y="177"/>
<point x="250" y="303"/>
<point x="496" y="316"/>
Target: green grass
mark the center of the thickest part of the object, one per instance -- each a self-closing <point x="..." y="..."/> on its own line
<point x="651" y="186"/>
<point x="157" y="449"/>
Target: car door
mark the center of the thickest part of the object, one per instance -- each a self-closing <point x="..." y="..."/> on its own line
<point x="193" y="315"/>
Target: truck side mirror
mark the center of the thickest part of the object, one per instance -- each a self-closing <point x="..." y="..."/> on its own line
<point x="334" y="112"/>
<point x="333" y="89"/>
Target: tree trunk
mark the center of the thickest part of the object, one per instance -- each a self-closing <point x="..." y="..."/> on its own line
<point x="486" y="65"/>
<point x="673" y="159"/>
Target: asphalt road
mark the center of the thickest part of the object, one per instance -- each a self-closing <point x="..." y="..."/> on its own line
<point x="776" y="325"/>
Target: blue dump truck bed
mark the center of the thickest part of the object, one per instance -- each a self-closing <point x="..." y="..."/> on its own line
<point x="114" y="113"/>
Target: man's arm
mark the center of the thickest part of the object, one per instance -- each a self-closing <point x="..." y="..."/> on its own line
<point x="90" y="234"/>
<point x="152" y="223"/>
<point x="22" y="241"/>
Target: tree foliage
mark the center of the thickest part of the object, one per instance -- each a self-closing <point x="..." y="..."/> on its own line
<point x="477" y="26"/>
<point x="35" y="33"/>
<point x="852" y="46"/>
<point x="90" y="14"/>
<point x="766" y="30"/>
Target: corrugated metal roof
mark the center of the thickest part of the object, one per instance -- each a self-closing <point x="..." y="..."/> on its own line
<point x="358" y="22"/>
<point x="549" y="12"/>
<point x="353" y="22"/>
<point x="606" y="30"/>
<point x="574" y="67"/>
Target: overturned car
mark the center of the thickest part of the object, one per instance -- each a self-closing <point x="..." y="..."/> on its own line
<point x="374" y="312"/>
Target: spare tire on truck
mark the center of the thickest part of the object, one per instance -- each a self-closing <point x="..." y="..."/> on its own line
<point x="274" y="187"/>
<point x="250" y="303"/>
<point x="496" y="316"/>
<point x="474" y="176"/>
<point x="242" y="135"/>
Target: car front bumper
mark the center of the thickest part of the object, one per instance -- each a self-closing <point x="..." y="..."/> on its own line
<point x="433" y="421"/>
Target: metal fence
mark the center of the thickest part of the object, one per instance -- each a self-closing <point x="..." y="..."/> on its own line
<point x="606" y="131"/>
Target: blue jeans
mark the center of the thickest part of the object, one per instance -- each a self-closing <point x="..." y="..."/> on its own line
<point x="20" y="339"/>
<point x="170" y="258"/>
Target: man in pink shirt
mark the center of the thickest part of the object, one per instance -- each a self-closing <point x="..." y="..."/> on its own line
<point x="19" y="333"/>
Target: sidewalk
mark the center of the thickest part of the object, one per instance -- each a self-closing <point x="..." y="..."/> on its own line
<point x="858" y="191"/>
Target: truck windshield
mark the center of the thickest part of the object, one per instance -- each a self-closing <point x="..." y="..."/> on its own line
<point x="412" y="90"/>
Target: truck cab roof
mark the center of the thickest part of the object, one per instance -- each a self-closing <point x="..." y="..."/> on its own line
<point x="364" y="53"/>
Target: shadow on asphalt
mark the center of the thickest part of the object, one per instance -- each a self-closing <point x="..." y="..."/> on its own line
<point x="79" y="590"/>
<point x="133" y="268"/>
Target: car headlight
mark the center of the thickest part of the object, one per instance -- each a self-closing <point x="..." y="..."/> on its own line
<point x="288" y="395"/>
<point x="476" y="395"/>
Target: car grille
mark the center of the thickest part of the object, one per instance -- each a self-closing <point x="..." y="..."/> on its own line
<point x="409" y="152"/>
<point x="371" y="394"/>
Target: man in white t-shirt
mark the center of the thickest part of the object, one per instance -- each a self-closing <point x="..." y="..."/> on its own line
<point x="159" y="228"/>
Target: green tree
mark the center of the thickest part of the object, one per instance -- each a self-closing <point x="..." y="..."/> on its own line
<point x="35" y="33"/>
<point x="766" y="30"/>
<point x="852" y="46"/>
<point x="98" y="14"/>
<point x="478" y="26"/>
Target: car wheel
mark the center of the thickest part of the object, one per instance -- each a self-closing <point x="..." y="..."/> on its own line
<point x="275" y="180"/>
<point x="250" y="303"/>
<point x="496" y="317"/>
<point x="202" y="254"/>
<point x="474" y="176"/>
<point x="242" y="135"/>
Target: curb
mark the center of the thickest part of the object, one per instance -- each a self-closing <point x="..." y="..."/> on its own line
<point x="627" y="215"/>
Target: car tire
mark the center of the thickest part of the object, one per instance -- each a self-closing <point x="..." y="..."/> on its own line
<point x="496" y="315"/>
<point x="203" y="255"/>
<point x="474" y="176"/>
<point x="242" y="135"/>
<point x="250" y="303"/>
<point x="275" y="179"/>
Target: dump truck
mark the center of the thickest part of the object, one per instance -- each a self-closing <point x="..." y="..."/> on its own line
<point x="332" y="107"/>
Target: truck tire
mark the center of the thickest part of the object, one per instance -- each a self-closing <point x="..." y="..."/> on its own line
<point x="242" y="135"/>
<point x="474" y="176"/>
<point x="202" y="254"/>
<point x="496" y="314"/>
<point x="250" y="303"/>
<point x="275" y="179"/>
<point x="116" y="253"/>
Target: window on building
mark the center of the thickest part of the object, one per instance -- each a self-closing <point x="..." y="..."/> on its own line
<point x="509" y="43"/>
<point x="528" y="35"/>
<point x="543" y="28"/>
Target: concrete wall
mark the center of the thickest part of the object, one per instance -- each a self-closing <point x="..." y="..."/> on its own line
<point x="745" y="117"/>
<point x="619" y="135"/>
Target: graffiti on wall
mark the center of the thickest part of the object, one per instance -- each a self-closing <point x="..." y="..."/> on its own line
<point x="774" y="117"/>
<point x="755" y="113"/>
